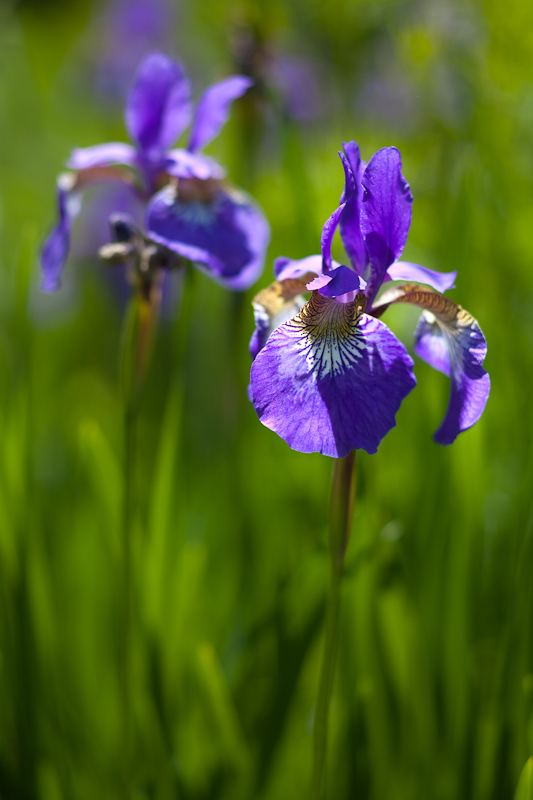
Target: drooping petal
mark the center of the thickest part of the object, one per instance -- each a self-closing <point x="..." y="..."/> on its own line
<point x="54" y="252"/>
<point x="273" y="306"/>
<point x="102" y="155"/>
<point x="385" y="213"/>
<point x="405" y="271"/>
<point x="337" y="282"/>
<point x="55" y="249"/>
<point x="214" y="108"/>
<point x="204" y="260"/>
<point x="261" y="333"/>
<point x="158" y="108"/>
<point x="294" y="268"/>
<point x="451" y="341"/>
<point x="431" y="344"/>
<point x="329" y="380"/>
<point x="183" y="164"/>
<point x="328" y="232"/>
<point x="466" y="349"/>
<point x="113" y="173"/>
<point x="350" y="221"/>
<point x="228" y="232"/>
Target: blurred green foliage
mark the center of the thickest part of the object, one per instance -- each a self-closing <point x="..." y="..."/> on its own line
<point x="434" y="692"/>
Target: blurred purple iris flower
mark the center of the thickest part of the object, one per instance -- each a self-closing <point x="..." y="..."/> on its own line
<point x="211" y="224"/>
<point x="127" y="31"/>
<point x="328" y="375"/>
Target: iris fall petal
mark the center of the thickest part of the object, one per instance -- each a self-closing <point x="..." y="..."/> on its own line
<point x="228" y="228"/>
<point x="102" y="155"/>
<point x="456" y="346"/>
<point x="294" y="268"/>
<point x="331" y="379"/>
<point x="273" y="306"/>
<point x="56" y="246"/>
<point x="451" y="341"/>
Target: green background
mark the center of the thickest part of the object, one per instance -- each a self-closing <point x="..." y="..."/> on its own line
<point x="434" y="688"/>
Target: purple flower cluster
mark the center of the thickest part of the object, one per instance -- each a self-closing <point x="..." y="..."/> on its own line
<point x="189" y="208"/>
<point x="328" y="375"/>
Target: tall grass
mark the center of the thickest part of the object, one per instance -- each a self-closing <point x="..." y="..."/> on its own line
<point x="433" y="694"/>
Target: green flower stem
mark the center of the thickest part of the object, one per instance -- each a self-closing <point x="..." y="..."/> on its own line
<point x="340" y="520"/>
<point x="127" y="592"/>
<point x="139" y="328"/>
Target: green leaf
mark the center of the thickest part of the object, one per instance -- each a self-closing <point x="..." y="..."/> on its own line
<point x="524" y="790"/>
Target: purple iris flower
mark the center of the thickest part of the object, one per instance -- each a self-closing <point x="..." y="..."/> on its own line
<point x="328" y="375"/>
<point x="128" y="30"/>
<point x="207" y="222"/>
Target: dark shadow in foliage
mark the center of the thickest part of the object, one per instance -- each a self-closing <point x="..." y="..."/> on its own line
<point x="20" y="781"/>
<point x="268" y="727"/>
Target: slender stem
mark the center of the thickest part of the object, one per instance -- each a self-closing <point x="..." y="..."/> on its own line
<point x="340" y="520"/>
<point x="127" y="592"/>
<point x="138" y="333"/>
<point x="324" y="686"/>
<point x="130" y="380"/>
<point x="341" y="507"/>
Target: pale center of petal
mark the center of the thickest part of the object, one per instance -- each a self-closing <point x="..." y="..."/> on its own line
<point x="328" y="334"/>
<point x="197" y="214"/>
<point x="194" y="202"/>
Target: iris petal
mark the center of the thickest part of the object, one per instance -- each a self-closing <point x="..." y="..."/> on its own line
<point x="102" y="155"/>
<point x="331" y="380"/>
<point x="289" y="268"/>
<point x="158" y="108"/>
<point x="451" y="341"/>
<point x="458" y="348"/>
<point x="214" y="108"/>
<point x="337" y="282"/>
<point x="385" y="213"/>
<point x="358" y="166"/>
<point x="275" y="305"/>
<point x="350" y="222"/>
<point x="328" y="232"/>
<point x="431" y="344"/>
<point x="54" y="252"/>
<point x="405" y="271"/>
<point x="183" y="164"/>
<point x="229" y="233"/>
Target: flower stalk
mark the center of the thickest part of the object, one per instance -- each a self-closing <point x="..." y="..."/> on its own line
<point x="139" y="328"/>
<point x="340" y="520"/>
